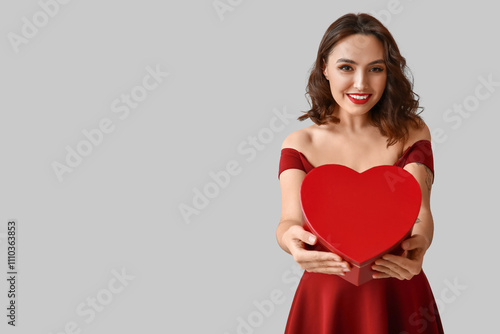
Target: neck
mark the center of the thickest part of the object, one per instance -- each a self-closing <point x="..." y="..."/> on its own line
<point x="352" y="124"/>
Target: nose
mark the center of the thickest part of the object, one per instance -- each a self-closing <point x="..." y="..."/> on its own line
<point x="360" y="81"/>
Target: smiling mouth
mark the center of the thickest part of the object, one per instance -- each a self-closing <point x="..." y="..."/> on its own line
<point x="359" y="98"/>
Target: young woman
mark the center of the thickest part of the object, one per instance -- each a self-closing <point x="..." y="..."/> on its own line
<point x="365" y="114"/>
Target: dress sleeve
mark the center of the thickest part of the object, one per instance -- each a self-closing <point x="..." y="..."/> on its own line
<point x="421" y="152"/>
<point x="290" y="158"/>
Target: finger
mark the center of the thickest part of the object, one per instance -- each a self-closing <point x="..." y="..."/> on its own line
<point x="416" y="254"/>
<point x="328" y="270"/>
<point x="407" y="244"/>
<point x="412" y="243"/>
<point x="296" y="246"/>
<point x="318" y="260"/>
<point x="335" y="269"/>
<point x="409" y="266"/>
<point x="308" y="237"/>
<point x="412" y="263"/>
<point x="313" y="255"/>
<point x="301" y="255"/>
<point x="385" y="272"/>
<point x="380" y="275"/>
<point x="311" y="239"/>
<point x="398" y="260"/>
<point x="342" y="266"/>
<point x="393" y="269"/>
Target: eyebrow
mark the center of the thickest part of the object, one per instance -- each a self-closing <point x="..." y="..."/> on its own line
<point x="349" y="61"/>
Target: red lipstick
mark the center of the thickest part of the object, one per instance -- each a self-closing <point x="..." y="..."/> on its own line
<point x="360" y="98"/>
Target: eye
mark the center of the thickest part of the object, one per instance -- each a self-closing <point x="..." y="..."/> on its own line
<point x="377" y="69"/>
<point x="345" y="68"/>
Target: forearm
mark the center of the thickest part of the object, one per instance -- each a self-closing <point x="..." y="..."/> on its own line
<point x="424" y="226"/>
<point x="283" y="226"/>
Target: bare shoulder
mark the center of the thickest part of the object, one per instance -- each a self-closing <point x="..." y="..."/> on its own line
<point x="298" y="140"/>
<point x="415" y="134"/>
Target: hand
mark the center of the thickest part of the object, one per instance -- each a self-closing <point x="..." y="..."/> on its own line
<point x="408" y="264"/>
<point x="295" y="239"/>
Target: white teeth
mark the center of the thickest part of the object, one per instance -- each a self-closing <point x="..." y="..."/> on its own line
<point x="359" y="97"/>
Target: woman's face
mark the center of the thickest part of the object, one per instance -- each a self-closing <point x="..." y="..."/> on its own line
<point x="357" y="73"/>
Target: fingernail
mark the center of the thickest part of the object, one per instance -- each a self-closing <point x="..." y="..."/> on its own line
<point x="311" y="239"/>
<point x="346" y="269"/>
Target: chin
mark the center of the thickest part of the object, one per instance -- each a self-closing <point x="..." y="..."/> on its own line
<point x="358" y="110"/>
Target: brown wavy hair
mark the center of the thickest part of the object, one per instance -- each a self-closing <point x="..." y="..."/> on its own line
<point x="396" y="110"/>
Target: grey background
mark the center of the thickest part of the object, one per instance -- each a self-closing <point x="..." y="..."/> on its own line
<point x="120" y="207"/>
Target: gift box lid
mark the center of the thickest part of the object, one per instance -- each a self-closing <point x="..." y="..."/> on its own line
<point x="360" y="216"/>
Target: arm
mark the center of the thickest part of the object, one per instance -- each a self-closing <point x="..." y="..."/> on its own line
<point x="424" y="224"/>
<point x="292" y="237"/>
<point x="290" y="234"/>
<point x="410" y="262"/>
<point x="291" y="214"/>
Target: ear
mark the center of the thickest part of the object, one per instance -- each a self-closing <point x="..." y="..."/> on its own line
<point x="325" y="73"/>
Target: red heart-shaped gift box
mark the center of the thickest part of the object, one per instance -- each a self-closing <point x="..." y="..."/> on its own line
<point x="360" y="216"/>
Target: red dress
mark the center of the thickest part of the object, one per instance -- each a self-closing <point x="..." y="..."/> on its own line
<point x="327" y="304"/>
